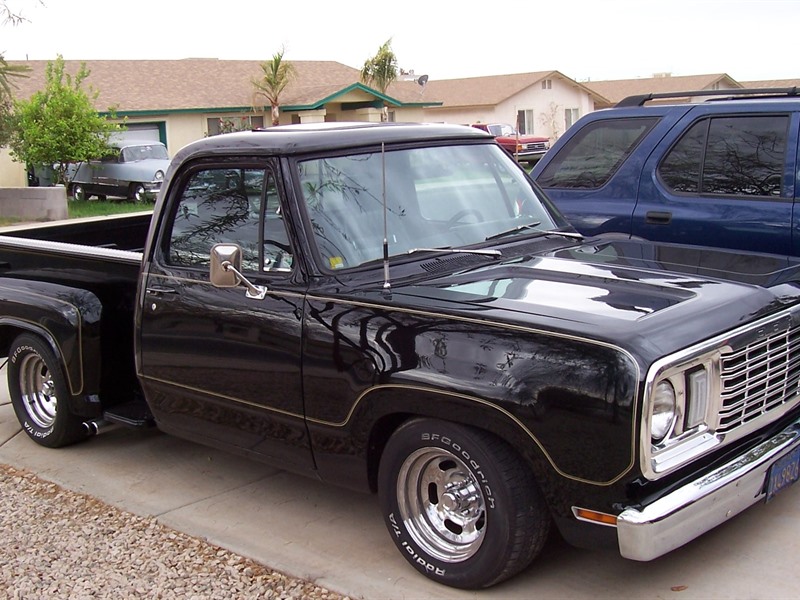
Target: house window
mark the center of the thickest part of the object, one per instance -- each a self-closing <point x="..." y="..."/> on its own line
<point x="547" y="84"/>
<point x="570" y="116"/>
<point x="217" y="125"/>
<point x="525" y="122"/>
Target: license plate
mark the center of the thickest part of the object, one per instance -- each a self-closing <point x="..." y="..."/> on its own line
<point x="783" y="473"/>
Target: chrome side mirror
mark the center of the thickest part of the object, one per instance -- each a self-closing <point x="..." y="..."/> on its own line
<point x="226" y="265"/>
<point x="223" y="256"/>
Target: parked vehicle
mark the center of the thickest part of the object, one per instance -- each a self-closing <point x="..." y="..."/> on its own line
<point x="715" y="173"/>
<point x="134" y="170"/>
<point x="525" y="148"/>
<point x="396" y="308"/>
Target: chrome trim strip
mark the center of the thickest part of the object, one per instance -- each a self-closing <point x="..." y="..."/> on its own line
<point x="681" y="516"/>
<point x="125" y="256"/>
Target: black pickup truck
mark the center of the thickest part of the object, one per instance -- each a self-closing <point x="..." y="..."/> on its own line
<point x="398" y="309"/>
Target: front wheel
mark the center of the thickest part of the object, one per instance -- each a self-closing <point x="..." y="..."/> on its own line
<point x="39" y="394"/>
<point x="137" y="193"/>
<point x="79" y="192"/>
<point x="460" y="504"/>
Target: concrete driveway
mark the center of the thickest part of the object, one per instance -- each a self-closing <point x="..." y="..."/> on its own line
<point x="336" y="538"/>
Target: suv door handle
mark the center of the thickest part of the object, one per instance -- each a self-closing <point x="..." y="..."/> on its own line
<point x="655" y="217"/>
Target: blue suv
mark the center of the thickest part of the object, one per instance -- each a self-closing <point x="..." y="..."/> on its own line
<point x="721" y="172"/>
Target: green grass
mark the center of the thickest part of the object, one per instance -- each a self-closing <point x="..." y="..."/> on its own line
<point x="98" y="208"/>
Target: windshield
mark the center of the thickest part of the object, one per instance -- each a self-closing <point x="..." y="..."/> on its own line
<point x="134" y="153"/>
<point x="502" y="130"/>
<point x="436" y="197"/>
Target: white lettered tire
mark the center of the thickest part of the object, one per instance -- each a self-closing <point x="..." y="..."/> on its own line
<point x="39" y="394"/>
<point x="460" y="504"/>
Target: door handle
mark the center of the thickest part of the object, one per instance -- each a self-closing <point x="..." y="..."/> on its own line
<point x="160" y="290"/>
<point x="655" y="217"/>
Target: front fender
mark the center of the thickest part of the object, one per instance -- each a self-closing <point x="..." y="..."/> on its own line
<point x="568" y="403"/>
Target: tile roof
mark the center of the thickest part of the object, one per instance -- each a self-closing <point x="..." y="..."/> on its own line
<point x="490" y="90"/>
<point x="616" y="90"/>
<point x="771" y="83"/>
<point x="195" y="83"/>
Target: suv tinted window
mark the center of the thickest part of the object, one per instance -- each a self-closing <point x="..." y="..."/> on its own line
<point x="741" y="156"/>
<point x="594" y="153"/>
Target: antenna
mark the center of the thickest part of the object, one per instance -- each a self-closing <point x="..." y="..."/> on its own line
<point x="423" y="79"/>
<point x="386" y="285"/>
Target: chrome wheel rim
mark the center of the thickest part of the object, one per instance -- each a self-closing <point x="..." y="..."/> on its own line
<point x="441" y="505"/>
<point x="38" y="391"/>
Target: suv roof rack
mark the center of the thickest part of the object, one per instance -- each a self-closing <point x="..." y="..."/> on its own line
<point x="640" y="99"/>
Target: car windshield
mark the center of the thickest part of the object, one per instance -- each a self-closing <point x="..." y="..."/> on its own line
<point x="436" y="197"/>
<point x="502" y="130"/>
<point x="134" y="153"/>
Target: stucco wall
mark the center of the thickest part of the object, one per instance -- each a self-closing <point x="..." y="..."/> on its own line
<point x="34" y="204"/>
<point x="12" y="174"/>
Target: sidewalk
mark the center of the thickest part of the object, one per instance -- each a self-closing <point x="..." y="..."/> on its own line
<point x="336" y="538"/>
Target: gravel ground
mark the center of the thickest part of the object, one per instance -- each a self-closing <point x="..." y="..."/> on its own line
<point x="60" y="544"/>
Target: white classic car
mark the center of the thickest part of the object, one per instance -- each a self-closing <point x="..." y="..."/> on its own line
<point x="134" y="170"/>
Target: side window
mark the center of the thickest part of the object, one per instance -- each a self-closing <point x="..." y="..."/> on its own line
<point x="216" y="206"/>
<point x="680" y="169"/>
<point x="594" y="153"/>
<point x="277" y="250"/>
<point x="737" y="156"/>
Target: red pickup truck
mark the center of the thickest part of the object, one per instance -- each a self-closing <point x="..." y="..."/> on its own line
<point x="525" y="148"/>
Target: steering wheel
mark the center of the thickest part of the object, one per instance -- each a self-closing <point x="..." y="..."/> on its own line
<point x="456" y="218"/>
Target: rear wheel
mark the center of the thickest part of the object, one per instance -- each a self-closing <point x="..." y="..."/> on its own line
<point x="460" y="504"/>
<point x="39" y="394"/>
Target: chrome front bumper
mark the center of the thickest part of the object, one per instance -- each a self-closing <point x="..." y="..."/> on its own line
<point x="689" y="511"/>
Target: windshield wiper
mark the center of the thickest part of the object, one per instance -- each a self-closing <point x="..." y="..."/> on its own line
<point x="568" y="234"/>
<point x="457" y="251"/>
<point x="513" y="230"/>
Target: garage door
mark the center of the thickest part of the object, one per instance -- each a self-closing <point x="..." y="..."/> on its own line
<point x="140" y="131"/>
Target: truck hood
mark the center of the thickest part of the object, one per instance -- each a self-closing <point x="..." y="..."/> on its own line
<point x="656" y="297"/>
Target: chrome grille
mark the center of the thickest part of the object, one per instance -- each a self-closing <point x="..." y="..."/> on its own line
<point x="535" y="146"/>
<point x="760" y="377"/>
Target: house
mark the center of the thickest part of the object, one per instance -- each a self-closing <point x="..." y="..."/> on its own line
<point x="542" y="103"/>
<point x="179" y="101"/>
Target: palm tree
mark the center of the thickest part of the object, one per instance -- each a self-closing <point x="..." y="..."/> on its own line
<point x="7" y="72"/>
<point x="381" y="70"/>
<point x="277" y="74"/>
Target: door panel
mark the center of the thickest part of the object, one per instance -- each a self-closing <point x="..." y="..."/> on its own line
<point x="726" y="182"/>
<point x="217" y="366"/>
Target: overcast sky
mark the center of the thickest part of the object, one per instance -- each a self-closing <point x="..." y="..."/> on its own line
<point x="584" y="39"/>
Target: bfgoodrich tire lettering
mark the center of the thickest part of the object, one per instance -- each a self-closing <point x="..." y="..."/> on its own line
<point x="460" y="504"/>
<point x="39" y="394"/>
